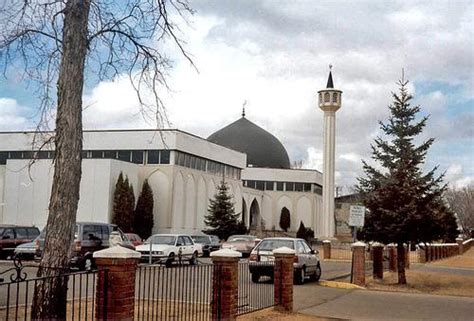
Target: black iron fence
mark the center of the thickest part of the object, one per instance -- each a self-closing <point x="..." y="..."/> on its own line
<point x="18" y="284"/>
<point x="256" y="286"/>
<point x="178" y="293"/>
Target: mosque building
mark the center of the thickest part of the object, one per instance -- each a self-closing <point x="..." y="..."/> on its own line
<point x="183" y="171"/>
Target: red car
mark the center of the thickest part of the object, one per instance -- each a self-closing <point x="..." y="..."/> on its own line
<point x="134" y="239"/>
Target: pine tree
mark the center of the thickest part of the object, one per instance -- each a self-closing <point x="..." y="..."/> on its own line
<point x="124" y="204"/>
<point x="221" y="217"/>
<point x="400" y="198"/>
<point x="143" y="218"/>
<point x="285" y="219"/>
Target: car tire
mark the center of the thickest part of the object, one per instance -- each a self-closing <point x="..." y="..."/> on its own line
<point x="193" y="260"/>
<point x="299" y="276"/>
<point x="255" y="277"/>
<point x="170" y="260"/>
<point x="317" y="273"/>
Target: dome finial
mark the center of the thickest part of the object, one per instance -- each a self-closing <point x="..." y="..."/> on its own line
<point x="330" y="83"/>
<point x="243" y="108"/>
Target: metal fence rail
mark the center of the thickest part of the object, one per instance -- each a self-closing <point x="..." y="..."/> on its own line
<point x="255" y="293"/>
<point x="18" y="286"/>
<point x="176" y="293"/>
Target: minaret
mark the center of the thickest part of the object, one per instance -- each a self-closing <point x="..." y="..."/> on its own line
<point x="329" y="102"/>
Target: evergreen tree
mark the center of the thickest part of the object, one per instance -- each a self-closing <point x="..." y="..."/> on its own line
<point x="143" y="219"/>
<point x="285" y="219"/>
<point x="301" y="233"/>
<point x="221" y="217"/>
<point x="400" y="198"/>
<point x="124" y="204"/>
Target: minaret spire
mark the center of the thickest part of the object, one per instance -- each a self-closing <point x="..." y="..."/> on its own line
<point x="330" y="83"/>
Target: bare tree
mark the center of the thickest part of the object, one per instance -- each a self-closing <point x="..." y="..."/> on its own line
<point x="461" y="202"/>
<point x="59" y="42"/>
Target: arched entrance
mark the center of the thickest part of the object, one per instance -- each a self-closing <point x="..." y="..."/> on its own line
<point x="285" y="219"/>
<point x="254" y="215"/>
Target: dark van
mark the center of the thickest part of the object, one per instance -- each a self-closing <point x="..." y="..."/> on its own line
<point x="88" y="238"/>
<point x="12" y="235"/>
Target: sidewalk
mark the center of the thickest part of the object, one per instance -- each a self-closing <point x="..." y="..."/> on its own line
<point x="377" y="305"/>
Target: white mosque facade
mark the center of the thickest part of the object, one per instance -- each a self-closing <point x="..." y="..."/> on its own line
<point x="183" y="171"/>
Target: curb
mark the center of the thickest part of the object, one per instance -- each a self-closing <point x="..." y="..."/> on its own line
<point x="341" y="285"/>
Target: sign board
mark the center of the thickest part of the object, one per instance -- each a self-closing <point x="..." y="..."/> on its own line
<point x="356" y="215"/>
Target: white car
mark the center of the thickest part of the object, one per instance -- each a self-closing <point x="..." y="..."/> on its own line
<point x="169" y="248"/>
<point x="305" y="264"/>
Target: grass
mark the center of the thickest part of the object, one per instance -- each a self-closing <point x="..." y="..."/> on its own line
<point x="271" y="314"/>
<point x="441" y="283"/>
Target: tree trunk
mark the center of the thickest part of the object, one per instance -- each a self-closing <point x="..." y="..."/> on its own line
<point x="49" y="301"/>
<point x="401" y="264"/>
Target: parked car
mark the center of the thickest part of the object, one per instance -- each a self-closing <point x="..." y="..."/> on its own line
<point x="11" y="236"/>
<point x="134" y="239"/>
<point x="306" y="263"/>
<point x="209" y="243"/>
<point x="241" y="243"/>
<point x="88" y="238"/>
<point x="28" y="251"/>
<point x="169" y="248"/>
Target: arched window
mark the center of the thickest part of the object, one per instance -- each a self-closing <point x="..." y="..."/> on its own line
<point x="334" y="98"/>
<point x="327" y="97"/>
<point x="285" y="219"/>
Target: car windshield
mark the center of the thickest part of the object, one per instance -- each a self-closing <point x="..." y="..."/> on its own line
<point x="162" y="239"/>
<point x="201" y="239"/>
<point x="241" y="238"/>
<point x="270" y="245"/>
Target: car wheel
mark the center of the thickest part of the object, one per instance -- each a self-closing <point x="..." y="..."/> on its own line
<point x="317" y="273"/>
<point x="170" y="260"/>
<point x="193" y="260"/>
<point x="255" y="277"/>
<point x="299" y="276"/>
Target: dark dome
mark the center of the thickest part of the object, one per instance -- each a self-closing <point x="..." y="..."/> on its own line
<point x="262" y="148"/>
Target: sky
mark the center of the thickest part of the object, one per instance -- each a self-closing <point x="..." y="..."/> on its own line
<point x="274" y="55"/>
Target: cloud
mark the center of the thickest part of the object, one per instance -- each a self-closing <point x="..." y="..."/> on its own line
<point x="13" y="116"/>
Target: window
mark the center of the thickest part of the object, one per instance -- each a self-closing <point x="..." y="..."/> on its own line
<point x="105" y="232"/>
<point x="187" y="160"/>
<point x="251" y="184"/>
<point x="307" y="249"/>
<point x="137" y="156"/>
<point x="124" y="155"/>
<point x="318" y="189"/>
<point x="327" y="97"/>
<point x="32" y="233"/>
<point x="306" y="187"/>
<point x="21" y="233"/>
<point x="320" y="98"/>
<point x="97" y="154"/>
<point x="268" y="186"/>
<point x="110" y="154"/>
<point x="16" y="155"/>
<point x="260" y="185"/>
<point x="279" y="186"/>
<point x="91" y="233"/>
<point x="193" y="162"/>
<point x="153" y="157"/>
<point x="3" y="158"/>
<point x="165" y="157"/>
<point x="299" y="247"/>
<point x="180" y="161"/>
<point x="84" y="154"/>
<point x="8" y="233"/>
<point x="290" y="187"/>
<point x="42" y="154"/>
<point x="27" y="155"/>
<point x="187" y="241"/>
<point x="298" y="187"/>
<point x="334" y="97"/>
<point x="181" y="241"/>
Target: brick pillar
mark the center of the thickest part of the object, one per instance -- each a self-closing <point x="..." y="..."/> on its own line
<point x="437" y="252"/>
<point x="460" y="247"/>
<point x="358" y="263"/>
<point x="432" y="253"/>
<point x="392" y="260"/>
<point x="407" y="256"/>
<point x="327" y="249"/>
<point x="377" y="257"/>
<point x="225" y="285"/>
<point x="283" y="279"/>
<point x="115" y="290"/>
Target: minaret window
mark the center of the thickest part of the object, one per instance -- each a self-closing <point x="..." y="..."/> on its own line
<point x="334" y="98"/>
<point x="327" y="97"/>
